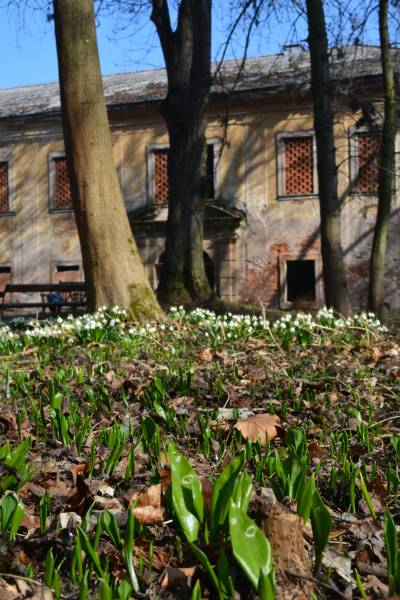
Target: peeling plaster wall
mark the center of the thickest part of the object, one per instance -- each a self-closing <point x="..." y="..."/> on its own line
<point x="249" y="260"/>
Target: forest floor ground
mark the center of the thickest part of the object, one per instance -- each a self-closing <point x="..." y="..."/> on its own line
<point x="168" y="460"/>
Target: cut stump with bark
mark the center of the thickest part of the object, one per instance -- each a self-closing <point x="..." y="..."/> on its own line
<point x="284" y="530"/>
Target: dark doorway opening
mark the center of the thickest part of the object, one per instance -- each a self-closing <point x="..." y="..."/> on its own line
<point x="300" y="277"/>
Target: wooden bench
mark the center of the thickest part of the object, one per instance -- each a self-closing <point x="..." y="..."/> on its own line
<point x="70" y="294"/>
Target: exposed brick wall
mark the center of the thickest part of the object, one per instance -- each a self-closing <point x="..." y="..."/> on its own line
<point x="63" y="197"/>
<point x="4" y="188"/>
<point x="299" y="166"/>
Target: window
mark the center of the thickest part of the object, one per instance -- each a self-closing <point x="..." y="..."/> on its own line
<point x="63" y="272"/>
<point x="365" y="161"/>
<point x="158" y="173"/>
<point x="297" y="174"/>
<point x="60" y="189"/>
<point x="4" y="188"/>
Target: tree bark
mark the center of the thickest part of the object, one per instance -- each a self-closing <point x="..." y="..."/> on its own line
<point x="334" y="275"/>
<point x="386" y="179"/>
<point x="113" y="268"/>
<point x="187" y="54"/>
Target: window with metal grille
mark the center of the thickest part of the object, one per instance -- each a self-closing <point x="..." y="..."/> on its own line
<point x="4" y="188"/>
<point x="160" y="174"/>
<point x="298" y="166"/>
<point x="62" y="199"/>
<point x="367" y="149"/>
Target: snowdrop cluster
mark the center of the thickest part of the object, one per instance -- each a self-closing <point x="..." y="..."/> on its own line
<point x="301" y="327"/>
<point x="110" y="324"/>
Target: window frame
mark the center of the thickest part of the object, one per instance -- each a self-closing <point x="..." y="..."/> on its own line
<point x="53" y="156"/>
<point x="150" y="148"/>
<point x="353" y="162"/>
<point x="280" y="164"/>
<point x="6" y="157"/>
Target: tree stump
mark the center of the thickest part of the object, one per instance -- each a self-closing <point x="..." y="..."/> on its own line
<point x="293" y="568"/>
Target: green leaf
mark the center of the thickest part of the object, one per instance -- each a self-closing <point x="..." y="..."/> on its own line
<point x="366" y="495"/>
<point x="321" y="521"/>
<point x="128" y="549"/>
<point x="360" y="586"/>
<point x="296" y="440"/>
<point x="18" y="456"/>
<point x="222" y="493"/>
<point x="392" y="553"/>
<point x="111" y="525"/>
<point x="196" y="594"/>
<point x="124" y="590"/>
<point x="8" y="505"/>
<point x="90" y="552"/>
<point x="224" y="575"/>
<point x="203" y="559"/>
<point x="16" y="520"/>
<point x="57" y="584"/>
<point x="395" y="441"/>
<point x="242" y="492"/>
<point x="266" y="587"/>
<point x="187" y="496"/>
<point x="305" y="502"/>
<point x="49" y="569"/>
<point x="105" y="592"/>
<point x="251" y="549"/>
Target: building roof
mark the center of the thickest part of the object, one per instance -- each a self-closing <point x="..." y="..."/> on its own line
<point x="275" y="72"/>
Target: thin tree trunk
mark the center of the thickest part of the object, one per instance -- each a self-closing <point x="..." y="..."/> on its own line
<point x="386" y="171"/>
<point x="187" y="54"/>
<point x="113" y="268"/>
<point x="334" y="275"/>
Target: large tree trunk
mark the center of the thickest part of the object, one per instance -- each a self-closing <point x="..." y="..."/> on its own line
<point x="113" y="268"/>
<point x="187" y="54"/>
<point x="334" y="275"/>
<point x="386" y="170"/>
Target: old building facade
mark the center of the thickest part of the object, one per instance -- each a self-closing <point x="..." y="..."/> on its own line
<point x="262" y="241"/>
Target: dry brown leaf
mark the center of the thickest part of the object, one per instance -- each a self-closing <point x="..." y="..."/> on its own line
<point x="148" y="509"/>
<point x="206" y="355"/>
<point x="30" y="521"/>
<point x="76" y="469"/>
<point x="80" y="499"/>
<point x="161" y="555"/>
<point x="220" y="357"/>
<point x="165" y="476"/>
<point x="150" y="497"/>
<point x="176" y="578"/>
<point x="261" y="426"/>
<point x="316" y="452"/>
<point x="149" y="514"/>
<point x="376" y="586"/>
<point x="207" y="489"/>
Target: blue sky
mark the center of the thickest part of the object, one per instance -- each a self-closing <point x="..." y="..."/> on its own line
<point x="29" y="56"/>
<point x="29" y="53"/>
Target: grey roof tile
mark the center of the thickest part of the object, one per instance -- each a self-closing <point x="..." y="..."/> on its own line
<point x="277" y="71"/>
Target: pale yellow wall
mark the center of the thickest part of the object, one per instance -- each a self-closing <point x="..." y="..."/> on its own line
<point x="34" y="239"/>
